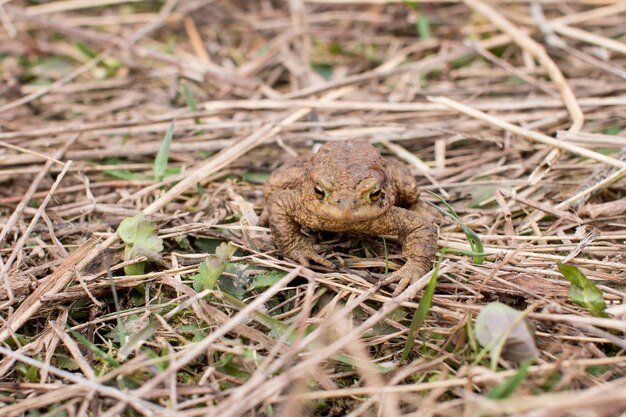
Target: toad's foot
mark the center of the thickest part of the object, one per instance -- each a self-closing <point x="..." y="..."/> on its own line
<point x="309" y="252"/>
<point x="406" y="275"/>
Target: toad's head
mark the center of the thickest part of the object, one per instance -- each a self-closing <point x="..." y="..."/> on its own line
<point x="346" y="181"/>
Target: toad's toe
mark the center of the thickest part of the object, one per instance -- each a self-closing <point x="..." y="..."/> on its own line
<point x="305" y="257"/>
<point x="300" y="258"/>
<point x="405" y="276"/>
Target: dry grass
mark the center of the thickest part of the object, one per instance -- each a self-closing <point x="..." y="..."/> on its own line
<point x="514" y="111"/>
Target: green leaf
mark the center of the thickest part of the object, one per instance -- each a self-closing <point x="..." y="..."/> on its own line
<point x="135" y="269"/>
<point x="514" y="80"/>
<point x="551" y="383"/>
<point x="475" y="243"/>
<point x="255" y="177"/>
<point x="503" y="331"/>
<point x="235" y="282"/>
<point x="211" y="269"/>
<point x="115" y="160"/>
<point x="423" y="26"/>
<point x="161" y="364"/>
<point x="582" y="291"/>
<point x="225" y="251"/>
<point x="125" y="174"/>
<point x="230" y="367"/>
<point x="112" y="65"/>
<point x="183" y="242"/>
<point x="335" y="48"/>
<point x="508" y="387"/>
<point x="51" y="67"/>
<point x="86" y="50"/>
<point x="191" y="102"/>
<point x="139" y="235"/>
<point x="612" y="130"/>
<point x="266" y="279"/>
<point x="609" y="151"/>
<point x="160" y="162"/>
<point x="207" y="245"/>
<point x="95" y="349"/>
<point x="171" y="171"/>
<point x="196" y="332"/>
<point x="29" y="372"/>
<point x="597" y="370"/>
<point x="325" y="70"/>
<point x="65" y="362"/>
<point x="206" y="278"/>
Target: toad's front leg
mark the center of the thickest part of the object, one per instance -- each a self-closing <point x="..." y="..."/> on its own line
<point x="418" y="234"/>
<point x="283" y="207"/>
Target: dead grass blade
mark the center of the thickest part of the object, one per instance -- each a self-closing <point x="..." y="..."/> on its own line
<point x="513" y="111"/>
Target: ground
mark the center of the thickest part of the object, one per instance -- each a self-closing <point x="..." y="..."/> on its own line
<point x="135" y="138"/>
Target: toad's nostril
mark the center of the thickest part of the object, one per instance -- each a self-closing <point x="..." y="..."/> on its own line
<point x="345" y="202"/>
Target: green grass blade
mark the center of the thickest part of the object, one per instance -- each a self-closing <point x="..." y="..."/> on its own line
<point x="421" y="312"/>
<point x="191" y="101"/>
<point x="86" y="50"/>
<point x="508" y="387"/>
<point x="423" y="26"/>
<point x="160" y="162"/>
<point x="475" y="243"/>
<point x="95" y="349"/>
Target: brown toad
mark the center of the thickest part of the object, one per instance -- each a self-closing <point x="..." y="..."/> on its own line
<point x="349" y="187"/>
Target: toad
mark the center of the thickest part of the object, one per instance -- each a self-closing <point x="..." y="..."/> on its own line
<point x="349" y="187"/>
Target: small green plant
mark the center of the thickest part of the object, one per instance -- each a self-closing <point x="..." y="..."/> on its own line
<point x="211" y="269"/>
<point x="583" y="292"/>
<point x="140" y="236"/>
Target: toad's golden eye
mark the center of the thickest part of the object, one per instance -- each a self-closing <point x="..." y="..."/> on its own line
<point x="320" y="193"/>
<point x="374" y="194"/>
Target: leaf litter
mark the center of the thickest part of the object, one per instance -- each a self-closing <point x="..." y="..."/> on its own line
<point x="175" y="113"/>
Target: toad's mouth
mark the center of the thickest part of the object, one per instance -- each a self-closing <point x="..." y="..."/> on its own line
<point x="351" y="214"/>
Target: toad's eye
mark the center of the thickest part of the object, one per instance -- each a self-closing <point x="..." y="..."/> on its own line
<point x="374" y="194"/>
<point x="320" y="192"/>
